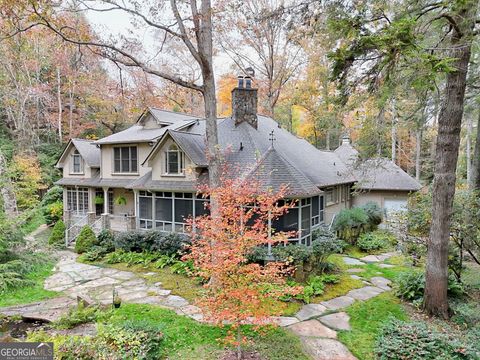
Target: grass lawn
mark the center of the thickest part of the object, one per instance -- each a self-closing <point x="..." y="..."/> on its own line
<point x="366" y="320"/>
<point x="31" y="293"/>
<point x="184" y="338"/>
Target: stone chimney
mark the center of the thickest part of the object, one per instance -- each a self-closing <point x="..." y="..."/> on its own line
<point x="245" y="100"/>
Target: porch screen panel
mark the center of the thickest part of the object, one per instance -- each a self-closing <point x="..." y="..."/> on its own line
<point x="287" y="222"/>
<point x="183" y="210"/>
<point x="163" y="214"/>
<point x="145" y="210"/>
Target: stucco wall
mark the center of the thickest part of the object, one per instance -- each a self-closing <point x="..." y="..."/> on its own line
<point x="378" y="196"/>
<point x="332" y="209"/>
<point x="128" y="208"/>
<point x="158" y="165"/>
<point x="67" y="166"/>
<point x="143" y="149"/>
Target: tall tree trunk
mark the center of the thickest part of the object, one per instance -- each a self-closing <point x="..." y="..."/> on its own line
<point x="476" y="159"/>
<point x="70" y="110"/>
<point x="469" y="151"/>
<point x="394" y="131"/>
<point x="448" y="142"/>
<point x="59" y="101"/>
<point x="418" y="152"/>
<point x="327" y="140"/>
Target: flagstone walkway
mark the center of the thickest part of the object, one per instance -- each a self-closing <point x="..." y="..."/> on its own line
<point x="315" y="324"/>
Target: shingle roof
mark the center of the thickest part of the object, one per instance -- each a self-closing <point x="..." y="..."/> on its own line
<point x="89" y="152"/>
<point x="192" y="144"/>
<point x="94" y="181"/>
<point x="347" y="153"/>
<point x="273" y="171"/>
<point x="383" y="174"/>
<point x="377" y="173"/>
<point x="137" y="133"/>
<point x="246" y="145"/>
<point x="146" y="183"/>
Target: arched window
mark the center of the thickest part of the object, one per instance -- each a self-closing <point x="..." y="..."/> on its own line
<point x="174" y="160"/>
<point x="77" y="163"/>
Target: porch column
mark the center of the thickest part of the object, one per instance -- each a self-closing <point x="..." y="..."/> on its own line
<point x="105" y="200"/>
<point x="269" y="245"/>
<point x="135" y="209"/>
<point x="105" y="215"/>
<point x="91" y="200"/>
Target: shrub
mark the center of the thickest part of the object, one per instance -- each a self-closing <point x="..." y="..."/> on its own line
<point x="12" y="275"/>
<point x="128" y="341"/>
<point x="57" y="237"/>
<point x="410" y="285"/>
<point x="53" y="212"/>
<point x="415" y="341"/>
<point x="324" y="244"/>
<point x="291" y="253"/>
<point x="374" y="214"/>
<point x="132" y="258"/>
<point x="85" y="240"/>
<point x="131" y="241"/>
<point x="315" y="286"/>
<point x="53" y="195"/>
<point x="81" y="315"/>
<point x="170" y="243"/>
<point x="350" y="223"/>
<point x="95" y="253"/>
<point x="376" y="240"/>
<point x="106" y="240"/>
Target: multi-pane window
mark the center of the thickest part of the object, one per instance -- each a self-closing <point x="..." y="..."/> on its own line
<point x="174" y="160"/>
<point x="77" y="163"/>
<point x="125" y="159"/>
<point x="77" y="200"/>
<point x="306" y="216"/>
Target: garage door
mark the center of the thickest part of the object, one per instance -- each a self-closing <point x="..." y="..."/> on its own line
<point x="395" y="204"/>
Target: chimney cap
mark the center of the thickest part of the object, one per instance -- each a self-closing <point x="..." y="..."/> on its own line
<point x="250" y="72"/>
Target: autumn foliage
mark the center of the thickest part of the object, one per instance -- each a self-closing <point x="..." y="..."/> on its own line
<point x="238" y="292"/>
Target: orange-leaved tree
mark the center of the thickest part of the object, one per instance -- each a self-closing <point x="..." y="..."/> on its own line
<point x="243" y="292"/>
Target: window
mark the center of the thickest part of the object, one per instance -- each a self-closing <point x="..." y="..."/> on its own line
<point x="331" y="196"/>
<point x="77" y="163"/>
<point x="125" y="159"/>
<point x="174" y="160"/>
<point x="77" y="200"/>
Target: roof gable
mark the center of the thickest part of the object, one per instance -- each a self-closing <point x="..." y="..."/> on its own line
<point x="193" y="145"/>
<point x="87" y="149"/>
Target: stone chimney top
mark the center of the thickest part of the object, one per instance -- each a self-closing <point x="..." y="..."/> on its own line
<point x="245" y="100"/>
<point x="345" y="139"/>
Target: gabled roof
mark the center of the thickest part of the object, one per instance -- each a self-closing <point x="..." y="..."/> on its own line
<point x="193" y="145"/>
<point x="383" y="174"/>
<point x="377" y="173"/>
<point x="274" y="171"/>
<point x="87" y="149"/>
<point x="138" y="133"/>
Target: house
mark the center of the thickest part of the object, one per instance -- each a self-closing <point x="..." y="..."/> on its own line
<point x="379" y="180"/>
<point x="146" y="176"/>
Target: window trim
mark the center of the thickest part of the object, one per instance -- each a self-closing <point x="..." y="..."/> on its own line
<point x="130" y="161"/>
<point x="76" y="154"/>
<point x="334" y="191"/>
<point x="180" y="161"/>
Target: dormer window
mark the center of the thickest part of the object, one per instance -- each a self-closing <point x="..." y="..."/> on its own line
<point x="77" y="163"/>
<point x="174" y="160"/>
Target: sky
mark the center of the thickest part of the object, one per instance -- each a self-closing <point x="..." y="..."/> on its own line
<point x="118" y="23"/>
